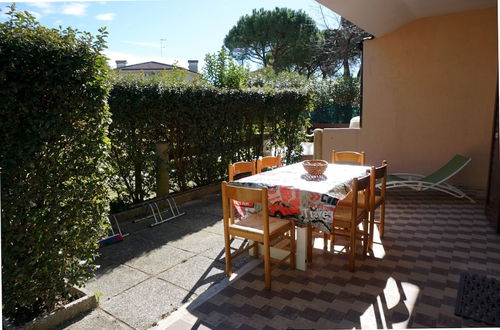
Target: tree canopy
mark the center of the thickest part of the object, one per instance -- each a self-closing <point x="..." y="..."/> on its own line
<point x="280" y="38"/>
<point x="340" y="48"/>
<point x="221" y="70"/>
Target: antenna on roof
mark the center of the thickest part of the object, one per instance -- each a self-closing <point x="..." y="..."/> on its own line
<point x="163" y="45"/>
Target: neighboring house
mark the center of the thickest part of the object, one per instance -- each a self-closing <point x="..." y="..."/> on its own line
<point x="429" y="87"/>
<point x="150" y="68"/>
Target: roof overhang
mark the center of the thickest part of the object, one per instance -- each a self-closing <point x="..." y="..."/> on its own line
<point x="380" y="17"/>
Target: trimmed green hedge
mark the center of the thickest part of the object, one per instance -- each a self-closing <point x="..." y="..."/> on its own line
<point x="205" y="127"/>
<point x="53" y="132"/>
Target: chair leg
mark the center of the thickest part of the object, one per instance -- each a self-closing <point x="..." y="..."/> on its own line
<point x="228" y="254"/>
<point x="382" y="219"/>
<point x="256" y="250"/>
<point x="366" y="236"/>
<point x="267" y="265"/>
<point x="231" y="217"/>
<point x="372" y="229"/>
<point x="292" y="246"/>
<point x="352" y="248"/>
<point x="325" y="241"/>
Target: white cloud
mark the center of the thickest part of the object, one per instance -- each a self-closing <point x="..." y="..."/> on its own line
<point x="45" y="7"/>
<point x="36" y="14"/>
<point x="105" y="17"/>
<point x="77" y="9"/>
<point x="142" y="43"/>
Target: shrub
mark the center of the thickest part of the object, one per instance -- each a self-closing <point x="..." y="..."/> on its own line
<point x="335" y="101"/>
<point x="53" y="128"/>
<point x="267" y="77"/>
<point x="205" y="127"/>
<point x="221" y="70"/>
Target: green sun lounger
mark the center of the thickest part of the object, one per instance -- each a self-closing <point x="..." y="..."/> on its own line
<point x="434" y="181"/>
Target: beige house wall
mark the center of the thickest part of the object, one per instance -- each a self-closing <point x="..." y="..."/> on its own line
<point x="428" y="94"/>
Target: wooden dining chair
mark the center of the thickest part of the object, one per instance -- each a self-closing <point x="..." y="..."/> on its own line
<point x="378" y="176"/>
<point x="240" y="168"/>
<point x="348" y="218"/>
<point x="269" y="161"/>
<point x="348" y="157"/>
<point x="260" y="228"/>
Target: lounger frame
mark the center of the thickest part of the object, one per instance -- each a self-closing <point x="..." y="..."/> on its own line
<point x="415" y="182"/>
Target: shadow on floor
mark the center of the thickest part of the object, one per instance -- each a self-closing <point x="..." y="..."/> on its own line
<point x="430" y="239"/>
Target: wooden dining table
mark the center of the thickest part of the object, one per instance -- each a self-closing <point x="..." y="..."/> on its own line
<point x="309" y="200"/>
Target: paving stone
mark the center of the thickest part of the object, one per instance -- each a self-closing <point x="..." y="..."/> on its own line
<point x="115" y="281"/>
<point x="216" y="228"/>
<point x="196" y="275"/>
<point x="197" y="242"/>
<point x="97" y="319"/>
<point x="199" y="219"/>
<point x="131" y="247"/>
<point x="217" y="251"/>
<point x="163" y="234"/>
<point x="210" y="204"/>
<point x="184" y="325"/>
<point x="146" y="303"/>
<point x="159" y="260"/>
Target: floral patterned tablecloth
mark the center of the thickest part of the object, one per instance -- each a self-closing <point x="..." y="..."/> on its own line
<point x="293" y="194"/>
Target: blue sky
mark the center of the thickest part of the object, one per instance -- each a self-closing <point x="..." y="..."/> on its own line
<point x="191" y="28"/>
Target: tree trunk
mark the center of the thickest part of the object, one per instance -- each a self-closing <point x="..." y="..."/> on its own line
<point x="138" y="196"/>
<point x="264" y="59"/>
<point x="261" y="140"/>
<point x="347" y="71"/>
<point x="324" y="74"/>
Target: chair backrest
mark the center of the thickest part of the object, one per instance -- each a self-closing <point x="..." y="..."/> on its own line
<point x="448" y="170"/>
<point x="243" y="194"/>
<point x="376" y="174"/>
<point x="358" y="185"/>
<point x="239" y="168"/>
<point x="268" y="162"/>
<point x="348" y="157"/>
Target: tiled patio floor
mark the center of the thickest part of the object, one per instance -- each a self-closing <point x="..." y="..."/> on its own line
<point x="411" y="281"/>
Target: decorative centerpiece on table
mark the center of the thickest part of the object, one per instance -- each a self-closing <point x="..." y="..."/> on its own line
<point x="315" y="168"/>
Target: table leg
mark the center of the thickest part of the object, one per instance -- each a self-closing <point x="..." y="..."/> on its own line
<point x="302" y="251"/>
